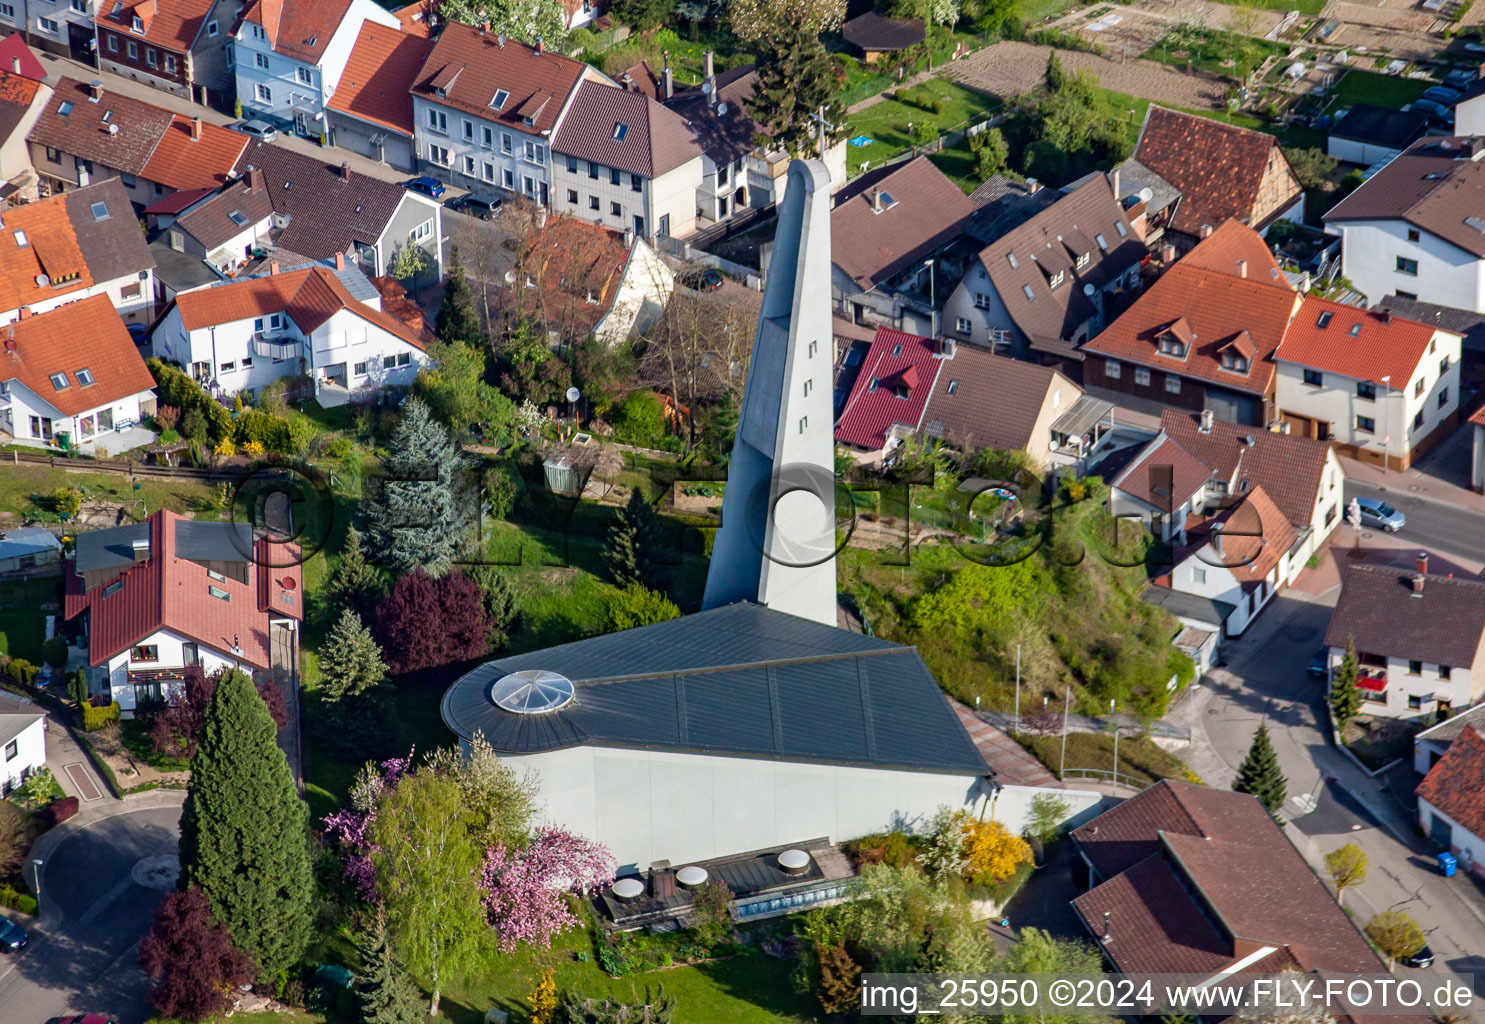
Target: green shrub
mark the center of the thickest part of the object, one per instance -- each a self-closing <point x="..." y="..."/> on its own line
<point x="639" y="418"/>
<point x="169" y="437"/>
<point x="21" y="901"/>
<point x="272" y="432"/>
<point x="22" y="671"/>
<point x="54" y="652"/>
<point x="636" y="605"/>
<point x="96" y="718"/>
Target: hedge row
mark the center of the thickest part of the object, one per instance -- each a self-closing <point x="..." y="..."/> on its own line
<point x="96" y="718"/>
<point x="22" y="901"/>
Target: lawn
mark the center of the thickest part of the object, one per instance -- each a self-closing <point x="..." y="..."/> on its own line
<point x="1290" y="136"/>
<point x="1094" y="751"/>
<point x="23" y="610"/>
<point x="1379" y="90"/>
<point x="886" y="123"/>
<point x="1302" y="6"/>
<point x="1218" y="53"/>
<point x="25" y="489"/>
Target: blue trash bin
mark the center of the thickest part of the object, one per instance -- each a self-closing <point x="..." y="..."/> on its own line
<point x="1448" y="864"/>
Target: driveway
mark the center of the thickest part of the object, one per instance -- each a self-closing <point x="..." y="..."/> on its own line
<point x="100" y="884"/>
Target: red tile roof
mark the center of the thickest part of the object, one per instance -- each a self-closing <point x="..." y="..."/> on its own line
<point x="180" y="162"/>
<point x="1456" y="784"/>
<point x="170" y="592"/>
<point x="1230" y="242"/>
<point x="12" y="48"/>
<point x="173" y="24"/>
<point x="896" y="378"/>
<point x="1479" y="416"/>
<point x="655" y="139"/>
<point x="178" y="201"/>
<point x="414" y="20"/>
<point x="49" y="263"/>
<point x="1218" y="167"/>
<point x="873" y="238"/>
<point x="80" y="335"/>
<point x="396" y="303"/>
<point x="1355" y="343"/>
<point x="379" y="75"/>
<point x="300" y="29"/>
<point x="470" y="68"/>
<point x="1145" y="477"/>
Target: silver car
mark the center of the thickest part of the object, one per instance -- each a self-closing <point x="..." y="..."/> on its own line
<point x="1381" y="515"/>
<point x="260" y="130"/>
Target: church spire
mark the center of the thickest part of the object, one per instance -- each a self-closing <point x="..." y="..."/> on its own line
<point x="776" y="544"/>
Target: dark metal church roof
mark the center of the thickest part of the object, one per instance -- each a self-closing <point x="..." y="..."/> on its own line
<point x="741" y="681"/>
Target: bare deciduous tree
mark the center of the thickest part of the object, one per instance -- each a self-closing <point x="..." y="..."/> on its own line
<point x="698" y="351"/>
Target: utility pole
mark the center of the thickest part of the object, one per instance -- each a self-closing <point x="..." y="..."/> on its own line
<point x="1018" y="687"/>
<point x="1066" y="710"/>
<point x="822" y="127"/>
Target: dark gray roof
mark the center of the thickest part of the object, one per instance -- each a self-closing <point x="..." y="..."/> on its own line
<point x="1134" y="176"/>
<point x="1002" y="204"/>
<point x="1447" y="731"/>
<point x="1444" y="625"/>
<point x="12" y="726"/>
<point x="109" y="549"/>
<point x="213" y="542"/>
<point x="112" y="246"/>
<point x="1190" y="606"/>
<point x="741" y="681"/>
<point x="1465" y="322"/>
<point x="1381" y="126"/>
<point x="179" y="271"/>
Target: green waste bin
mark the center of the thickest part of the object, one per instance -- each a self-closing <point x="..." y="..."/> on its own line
<point x="64" y="440"/>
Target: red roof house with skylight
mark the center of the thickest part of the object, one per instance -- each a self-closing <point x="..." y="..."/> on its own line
<point x="890" y="393"/>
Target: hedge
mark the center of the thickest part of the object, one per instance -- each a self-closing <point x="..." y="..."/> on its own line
<point x="96" y="718"/>
<point x="22" y="901"/>
<point x="22" y="671"/>
<point x="58" y="811"/>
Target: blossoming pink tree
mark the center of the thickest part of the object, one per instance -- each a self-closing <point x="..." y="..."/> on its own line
<point x="350" y="827"/>
<point x="525" y="886"/>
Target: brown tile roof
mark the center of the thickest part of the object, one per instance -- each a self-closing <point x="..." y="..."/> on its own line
<point x="173" y="24"/>
<point x="181" y="162"/>
<point x="33" y="349"/>
<point x="1218" y="167"/>
<point x="1012" y="763"/>
<point x="1355" y="343"/>
<point x="113" y="246"/>
<point x="1456" y="784"/>
<point x="725" y="135"/>
<point x="643" y="79"/>
<point x="995" y="401"/>
<point x="1436" y="184"/>
<point x="568" y="260"/>
<point x="1085" y="222"/>
<point x="396" y="303"/>
<point x="655" y="139"/>
<point x="379" y="75"/>
<point x="211" y="222"/>
<point x="471" y="67"/>
<point x="874" y="31"/>
<point x="16" y="94"/>
<point x="414" y="19"/>
<point x="871" y="245"/>
<point x="1145" y="477"/>
<point x="1289" y="468"/>
<point x="1190" y="870"/>
<point x="1444" y="625"/>
<point x="84" y="133"/>
<point x="1254" y="535"/>
<point x="300" y="29"/>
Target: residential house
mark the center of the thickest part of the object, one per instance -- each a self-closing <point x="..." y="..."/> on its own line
<point x="179" y="46"/>
<point x="66" y="29"/>
<point x="1469" y="111"/>
<point x="52" y="389"/>
<point x="1203" y="335"/>
<point x="160" y="596"/>
<point x="1466" y="323"/>
<point x="371" y="112"/>
<point x="1430" y="745"/>
<point x="1049" y="284"/>
<point x="580" y="280"/>
<point x="289" y="56"/>
<point x="324" y="322"/>
<point x="623" y="161"/>
<point x="1420" y="638"/>
<point x="1199" y="881"/>
<point x="27" y="548"/>
<point x="1413" y="228"/>
<point x="23" y="742"/>
<point x="1377" y="386"/>
<point x="887" y="401"/>
<point x="323" y="207"/>
<point x="486" y="108"/>
<point x="220" y="229"/>
<point x="1451" y="800"/>
<point x="1477" y="450"/>
<point x="885" y="228"/>
<point x="1368" y="134"/>
<point x="1150" y="202"/>
<point x="1222" y="171"/>
<point x="1163" y="486"/>
<point x="983" y="400"/>
<point x="86" y="133"/>
<point x="1002" y="204"/>
<point x="876" y="36"/>
<point x="18" y="58"/>
<point x="22" y="99"/>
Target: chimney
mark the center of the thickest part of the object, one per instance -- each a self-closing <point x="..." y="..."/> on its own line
<point x="667" y="78"/>
<point x="1206" y="421"/>
<point x="1242" y="267"/>
<point x="95" y="91"/>
<point x="1418" y="579"/>
<point x="1033" y="186"/>
<point x="876" y="201"/>
<point x="627" y="81"/>
<point x="1107" y="936"/>
<point x="1167" y="254"/>
<point x="628" y="238"/>
<point x="195" y="127"/>
<point x="141" y="548"/>
<point x="25" y="312"/>
<point x="1114" y="184"/>
<point x="15" y="65"/>
<point x="345" y="171"/>
<point x="273" y="267"/>
<point x="1387" y="316"/>
<point x="1423" y="563"/>
<point x="1206" y="230"/>
<point x="541" y="46"/>
<point x="500" y="39"/>
<point x="485" y="27"/>
<point x="340" y="261"/>
<point x="255" y="180"/>
<point x="709" y="66"/>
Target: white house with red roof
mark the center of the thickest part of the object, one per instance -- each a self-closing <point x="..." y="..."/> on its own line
<point x="321" y="320"/>
<point x="168" y="593"/>
<point x="890" y="393"/>
<point x="1375" y="385"/>
<point x="74" y="371"/>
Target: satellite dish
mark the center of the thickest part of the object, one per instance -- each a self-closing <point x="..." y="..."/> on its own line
<point x="573" y="394"/>
<point x="510" y="277"/>
<point x="42" y="280"/>
<point x="721" y="108"/>
<point x="706" y="88"/>
<point x="1088" y="290"/>
<point x="1146" y="194"/>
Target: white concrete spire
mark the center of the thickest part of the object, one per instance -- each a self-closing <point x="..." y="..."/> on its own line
<point x="776" y="544"/>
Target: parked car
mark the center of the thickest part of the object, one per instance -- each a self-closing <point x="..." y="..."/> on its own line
<point x="1462" y="79"/>
<point x="1435" y="111"/>
<point x="1380" y="514"/>
<point x="87" y="1018"/>
<point x="260" y="130"/>
<point x="427" y="185"/>
<point x="1320" y="663"/>
<point x="1442" y="94"/>
<point x="13" y="937"/>
<point x="702" y="279"/>
<point x="476" y="206"/>
<point x="139" y="332"/>
<point x="1422" y="958"/>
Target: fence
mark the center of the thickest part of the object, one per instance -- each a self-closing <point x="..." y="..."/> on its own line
<point x="128" y="468"/>
<point x="1085" y="723"/>
<point x="1104" y="775"/>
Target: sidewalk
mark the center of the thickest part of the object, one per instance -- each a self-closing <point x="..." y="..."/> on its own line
<point x="1416" y="482"/>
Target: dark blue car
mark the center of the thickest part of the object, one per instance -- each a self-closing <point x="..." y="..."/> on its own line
<point x="425" y="185"/>
<point x="13" y="938"/>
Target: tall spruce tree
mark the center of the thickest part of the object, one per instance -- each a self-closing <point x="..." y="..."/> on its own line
<point x="457" y="319"/>
<point x="355" y="583"/>
<point x="351" y="670"/>
<point x="388" y="995"/>
<point x="636" y="549"/>
<point x="796" y="78"/>
<point x="1259" y="774"/>
<point x="420" y="510"/>
<point x="243" y="837"/>
<point x="1345" y="696"/>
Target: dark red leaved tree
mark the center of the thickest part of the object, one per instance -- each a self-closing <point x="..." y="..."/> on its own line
<point x="191" y="959"/>
<point x="174" y="728"/>
<point x="425" y="622"/>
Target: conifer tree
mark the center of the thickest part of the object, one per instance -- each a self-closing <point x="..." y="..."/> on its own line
<point x="501" y="604"/>
<point x="388" y="995"/>
<point x="355" y="583"/>
<point x="351" y="668"/>
<point x="457" y="319"/>
<point x="1259" y="774"/>
<point x="1345" y="696"/>
<point x="635" y="552"/>
<point x="796" y="78"/>
<point x="419" y="514"/>
<point x="243" y="836"/>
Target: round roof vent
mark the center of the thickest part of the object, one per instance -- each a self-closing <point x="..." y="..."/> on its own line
<point x="692" y="877"/>
<point x="794" y="861"/>
<point x="628" y="888"/>
<point x="531" y="692"/>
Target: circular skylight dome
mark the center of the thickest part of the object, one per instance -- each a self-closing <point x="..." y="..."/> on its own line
<point x="532" y="692"/>
<point x="629" y="888"/>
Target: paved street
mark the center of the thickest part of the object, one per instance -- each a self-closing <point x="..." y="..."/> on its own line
<point x="94" y="912"/>
<point x="1432" y="525"/>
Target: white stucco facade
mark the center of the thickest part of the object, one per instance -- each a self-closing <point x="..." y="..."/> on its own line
<point x="1464" y="844"/>
<point x="169" y="650"/>
<point x="24" y="752"/>
<point x="1204" y="574"/>
<point x="1438" y="271"/>
<point x="1414" y="688"/>
<point x="640" y="301"/>
<point x="25" y="415"/>
<point x="132" y="295"/>
<point x="624" y="201"/>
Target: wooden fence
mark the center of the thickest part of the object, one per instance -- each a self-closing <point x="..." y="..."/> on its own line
<point x="126" y="468"/>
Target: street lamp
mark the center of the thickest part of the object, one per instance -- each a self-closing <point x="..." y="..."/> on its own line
<point x="1386" y="421"/>
<point x="1116" y="741"/>
<point x="932" y="306"/>
<point x="36" y="870"/>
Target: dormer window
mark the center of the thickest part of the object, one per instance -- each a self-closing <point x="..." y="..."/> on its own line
<point x="137" y="24"/>
<point x="900" y="390"/>
<point x="1084" y="260"/>
<point x="117" y="6"/>
<point x="1176" y="339"/>
<point x="1056" y="279"/>
<point x="498" y="103"/>
<point x="1169" y="345"/>
<point x="1234" y="361"/>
